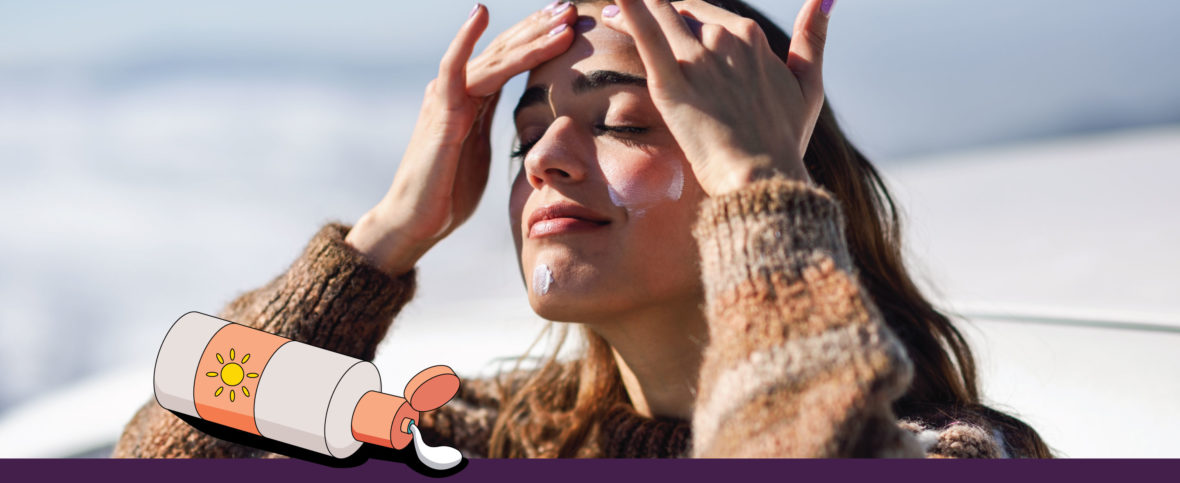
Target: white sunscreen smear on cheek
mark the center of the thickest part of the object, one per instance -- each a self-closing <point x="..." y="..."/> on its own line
<point x="637" y="200"/>
<point x="676" y="187"/>
<point x="542" y="279"/>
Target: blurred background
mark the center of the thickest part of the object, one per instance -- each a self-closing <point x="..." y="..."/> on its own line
<point x="162" y="157"/>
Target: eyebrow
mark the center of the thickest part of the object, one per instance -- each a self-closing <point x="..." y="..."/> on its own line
<point x="593" y="80"/>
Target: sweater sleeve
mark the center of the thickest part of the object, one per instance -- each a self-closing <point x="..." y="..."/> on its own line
<point x="800" y="362"/>
<point x="330" y="297"/>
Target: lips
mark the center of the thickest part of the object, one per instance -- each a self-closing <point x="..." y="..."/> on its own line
<point x="564" y="217"/>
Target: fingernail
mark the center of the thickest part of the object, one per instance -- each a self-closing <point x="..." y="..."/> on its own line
<point x="473" y="10"/>
<point x="826" y="7"/>
<point x="550" y="6"/>
<point x="560" y="8"/>
<point x="610" y="11"/>
<point x="558" y="29"/>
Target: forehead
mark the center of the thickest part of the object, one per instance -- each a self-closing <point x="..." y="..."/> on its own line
<point x="595" y="47"/>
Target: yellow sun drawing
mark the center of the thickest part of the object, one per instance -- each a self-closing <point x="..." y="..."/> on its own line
<point x="231" y="375"/>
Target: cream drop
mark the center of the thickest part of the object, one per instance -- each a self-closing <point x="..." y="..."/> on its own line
<point x="542" y="279"/>
<point x="436" y="457"/>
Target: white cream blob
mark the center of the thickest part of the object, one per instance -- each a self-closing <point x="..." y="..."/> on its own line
<point x="629" y="194"/>
<point x="542" y="279"/>
<point x="436" y="457"/>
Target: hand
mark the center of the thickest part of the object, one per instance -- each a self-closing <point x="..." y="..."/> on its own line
<point x="444" y="170"/>
<point x="738" y="112"/>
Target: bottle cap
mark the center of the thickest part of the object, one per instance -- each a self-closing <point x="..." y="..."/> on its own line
<point x="431" y="388"/>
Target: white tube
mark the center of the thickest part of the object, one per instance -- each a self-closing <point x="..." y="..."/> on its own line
<point x="308" y="396"/>
<point x="288" y="391"/>
<point x="176" y="363"/>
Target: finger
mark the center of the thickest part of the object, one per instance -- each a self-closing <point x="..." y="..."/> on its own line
<point x="675" y="28"/>
<point x="633" y="18"/>
<point x="538" y="38"/>
<point x="483" y="119"/>
<point x="806" y="57"/>
<point x="471" y="177"/>
<point x="452" y="70"/>
<point x="535" y="25"/>
<point x="708" y="13"/>
<point x="743" y="28"/>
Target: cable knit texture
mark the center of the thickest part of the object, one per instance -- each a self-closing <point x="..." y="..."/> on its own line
<point x="799" y="363"/>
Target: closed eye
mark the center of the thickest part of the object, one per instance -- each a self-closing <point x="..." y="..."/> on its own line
<point x="523" y="147"/>
<point x="621" y="129"/>
<point x="625" y="134"/>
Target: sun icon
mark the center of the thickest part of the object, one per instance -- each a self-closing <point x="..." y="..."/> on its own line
<point x="231" y="375"/>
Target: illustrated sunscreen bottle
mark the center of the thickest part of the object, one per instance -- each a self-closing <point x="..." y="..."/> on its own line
<point x="293" y="392"/>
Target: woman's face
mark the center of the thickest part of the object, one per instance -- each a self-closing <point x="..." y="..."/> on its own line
<point x="604" y="201"/>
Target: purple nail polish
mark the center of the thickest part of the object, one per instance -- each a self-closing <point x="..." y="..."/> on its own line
<point x="826" y="6"/>
<point x="558" y="29"/>
<point x="560" y="8"/>
<point x="473" y="10"/>
<point x="610" y="11"/>
<point x="550" y="6"/>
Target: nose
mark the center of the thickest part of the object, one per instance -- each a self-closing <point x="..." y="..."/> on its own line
<point x="558" y="157"/>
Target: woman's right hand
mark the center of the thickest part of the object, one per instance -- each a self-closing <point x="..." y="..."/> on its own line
<point x="444" y="170"/>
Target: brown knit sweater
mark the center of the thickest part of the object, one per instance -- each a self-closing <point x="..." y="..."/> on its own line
<point x="799" y="361"/>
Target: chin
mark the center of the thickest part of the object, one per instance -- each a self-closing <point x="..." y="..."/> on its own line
<point x="567" y="288"/>
<point x="557" y="308"/>
<point x="567" y="304"/>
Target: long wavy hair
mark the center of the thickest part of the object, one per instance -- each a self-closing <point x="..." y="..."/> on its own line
<point x="551" y="411"/>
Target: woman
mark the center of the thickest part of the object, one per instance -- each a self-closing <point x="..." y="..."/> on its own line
<point x="685" y="195"/>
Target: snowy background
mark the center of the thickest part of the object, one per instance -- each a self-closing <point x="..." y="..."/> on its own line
<point x="161" y="157"/>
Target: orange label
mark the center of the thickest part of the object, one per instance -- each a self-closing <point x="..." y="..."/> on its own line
<point x="228" y="375"/>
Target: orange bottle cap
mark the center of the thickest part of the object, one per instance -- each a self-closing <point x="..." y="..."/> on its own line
<point x="432" y="388"/>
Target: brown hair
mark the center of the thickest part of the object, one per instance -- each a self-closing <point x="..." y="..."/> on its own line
<point x="552" y="411"/>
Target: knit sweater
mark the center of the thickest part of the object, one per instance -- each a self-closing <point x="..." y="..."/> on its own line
<point x="799" y="362"/>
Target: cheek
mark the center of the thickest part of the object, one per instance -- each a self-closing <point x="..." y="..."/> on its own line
<point x="663" y="245"/>
<point x="638" y="181"/>
<point x="516" y="201"/>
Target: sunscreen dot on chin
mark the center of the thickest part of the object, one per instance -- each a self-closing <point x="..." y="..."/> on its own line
<point x="542" y="279"/>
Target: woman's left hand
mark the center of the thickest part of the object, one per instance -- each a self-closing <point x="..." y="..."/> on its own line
<point x="738" y="112"/>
